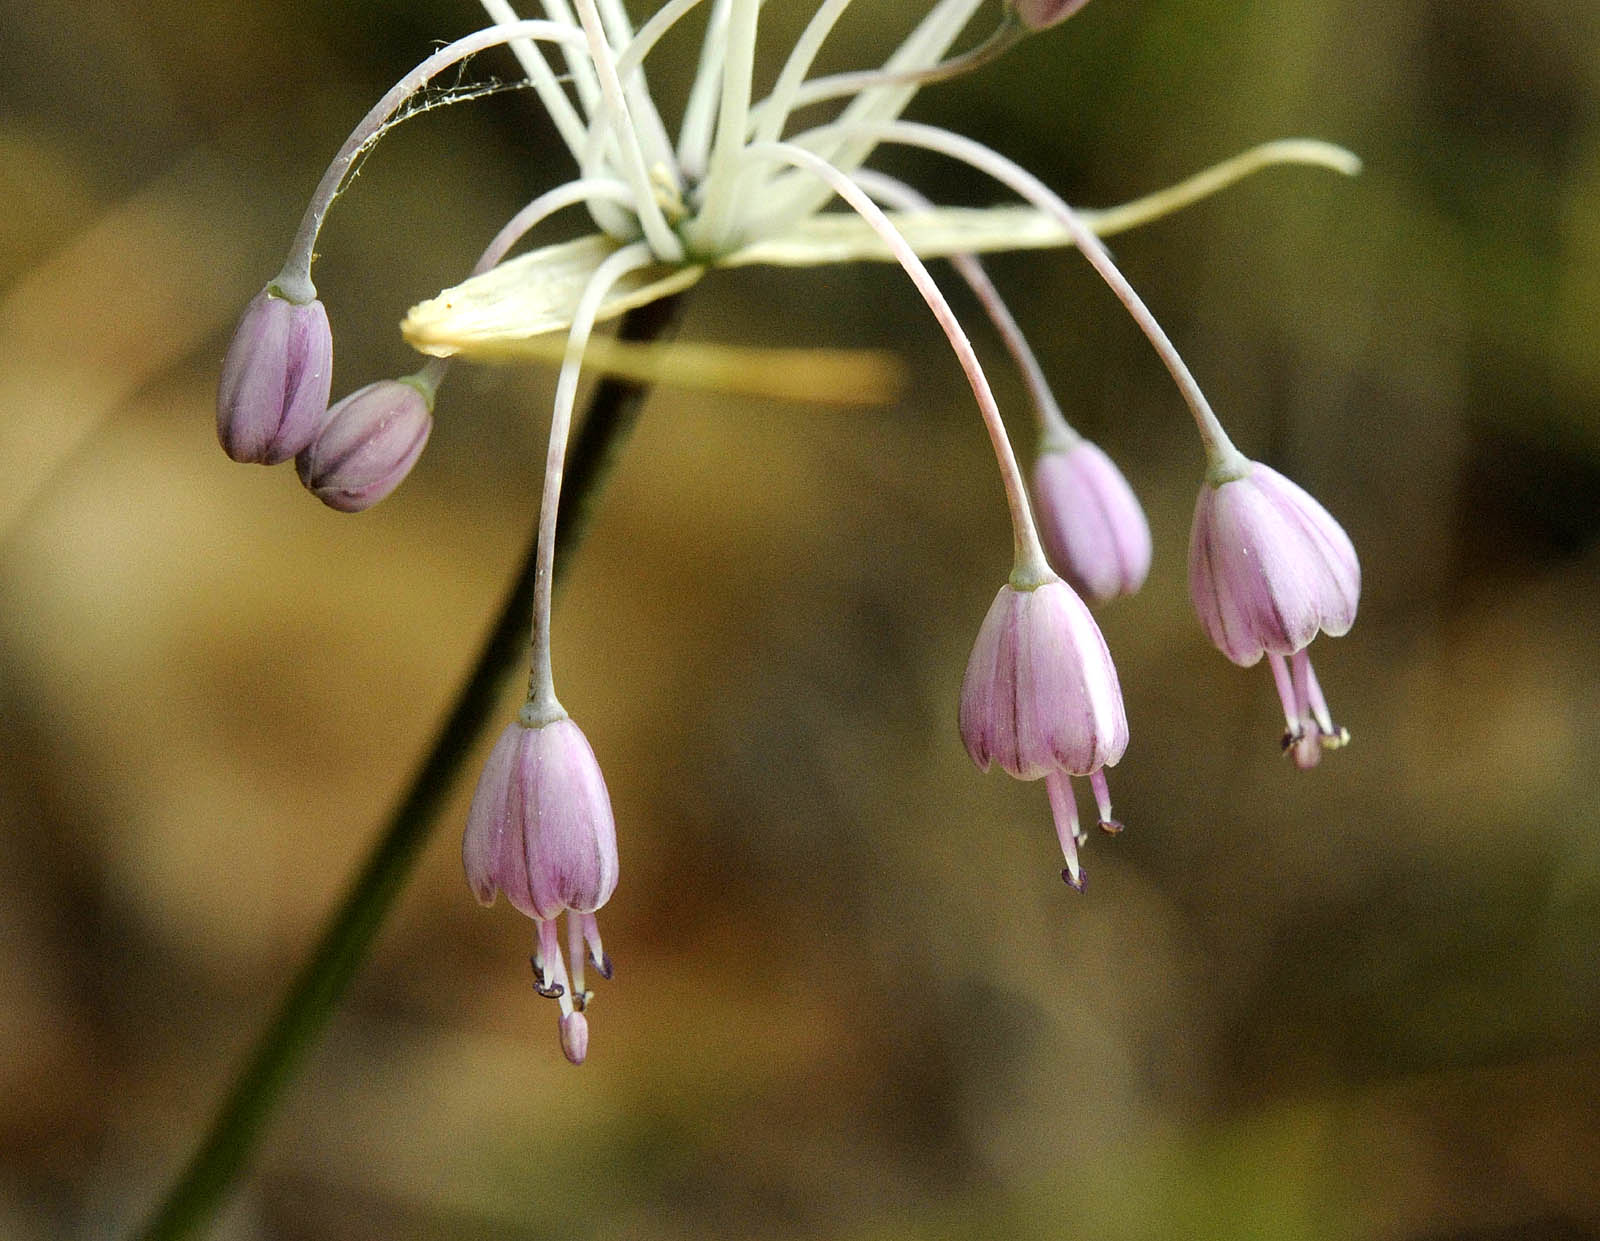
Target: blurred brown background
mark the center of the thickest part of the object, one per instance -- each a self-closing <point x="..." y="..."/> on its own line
<point x="853" y="997"/>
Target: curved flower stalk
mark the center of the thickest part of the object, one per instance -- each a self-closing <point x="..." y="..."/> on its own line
<point x="1042" y="14"/>
<point x="1093" y="527"/>
<point x="736" y="186"/>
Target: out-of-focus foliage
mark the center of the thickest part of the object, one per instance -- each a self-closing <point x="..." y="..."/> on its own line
<point x="853" y="998"/>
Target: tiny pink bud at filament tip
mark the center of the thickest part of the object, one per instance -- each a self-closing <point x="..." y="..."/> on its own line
<point x="575" y="1037"/>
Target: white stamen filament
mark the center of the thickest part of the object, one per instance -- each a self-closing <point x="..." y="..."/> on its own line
<point x="722" y="174"/>
<point x="591" y="937"/>
<point x="694" y="135"/>
<point x="585" y="189"/>
<point x="630" y="72"/>
<point x="663" y="241"/>
<point x="580" y="69"/>
<point x="1334" y="736"/>
<point x="796" y="197"/>
<point x="641" y="45"/>
<point x="1286" y="694"/>
<point x="617" y="223"/>
<point x="554" y="969"/>
<point x="1298" y="663"/>
<point x="565" y="117"/>
<point x="837" y="85"/>
<point x="769" y="119"/>
<point x="1030" y="569"/>
<point x="575" y="957"/>
<point x="1064" y="810"/>
<point x="1102" y="799"/>
<point x="652" y="133"/>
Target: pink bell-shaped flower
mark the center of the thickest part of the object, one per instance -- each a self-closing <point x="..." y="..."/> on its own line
<point x="540" y="830"/>
<point x="1268" y="570"/>
<point x="368" y="444"/>
<point x="1041" y="698"/>
<point x="275" y="380"/>
<point x="1091" y="523"/>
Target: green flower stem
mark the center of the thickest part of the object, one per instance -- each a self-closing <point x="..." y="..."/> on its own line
<point x="192" y="1200"/>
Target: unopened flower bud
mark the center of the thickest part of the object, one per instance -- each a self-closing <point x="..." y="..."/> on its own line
<point x="1042" y="14"/>
<point x="274" y="387"/>
<point x="1268" y="570"/>
<point x="1093" y="528"/>
<point x="368" y="444"/>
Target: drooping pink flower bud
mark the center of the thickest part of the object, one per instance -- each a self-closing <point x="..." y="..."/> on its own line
<point x="368" y="444"/>
<point x="1041" y="698"/>
<point x="1093" y="528"/>
<point x="1042" y="14"/>
<point x="1268" y="570"/>
<point x="540" y="830"/>
<point x="275" y="379"/>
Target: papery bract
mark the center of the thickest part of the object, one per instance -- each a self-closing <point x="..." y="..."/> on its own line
<point x="275" y="380"/>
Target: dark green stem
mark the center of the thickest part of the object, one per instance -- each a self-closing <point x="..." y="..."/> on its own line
<point x="348" y="935"/>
